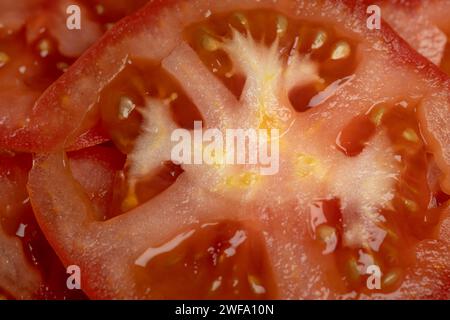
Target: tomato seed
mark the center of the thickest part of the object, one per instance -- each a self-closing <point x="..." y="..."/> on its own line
<point x="282" y="25"/>
<point x="327" y="235"/>
<point x="410" y="135"/>
<point x="320" y="39"/>
<point x="341" y="50"/>
<point x="209" y="43"/>
<point x="126" y="106"/>
<point x="4" y="59"/>
<point x="44" y="47"/>
<point x="410" y="205"/>
<point x="240" y="17"/>
<point x="391" y="278"/>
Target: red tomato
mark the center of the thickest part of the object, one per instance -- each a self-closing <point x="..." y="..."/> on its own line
<point x="29" y="268"/>
<point x="429" y="32"/>
<point x="364" y="160"/>
<point x="36" y="47"/>
<point x="17" y="277"/>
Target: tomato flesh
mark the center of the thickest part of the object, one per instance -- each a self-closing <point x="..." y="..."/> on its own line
<point x="350" y="146"/>
<point x="398" y="119"/>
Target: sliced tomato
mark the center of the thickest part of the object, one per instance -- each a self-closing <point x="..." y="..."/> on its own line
<point x="429" y="33"/>
<point x="14" y="15"/>
<point x="18" y="278"/>
<point x="364" y="164"/>
<point x="36" y="47"/>
<point x="29" y="268"/>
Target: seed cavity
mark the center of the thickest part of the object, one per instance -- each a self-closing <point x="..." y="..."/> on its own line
<point x="341" y="50"/>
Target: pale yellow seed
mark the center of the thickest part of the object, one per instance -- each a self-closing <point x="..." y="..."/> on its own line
<point x="410" y="135"/>
<point x="320" y="40"/>
<point x="282" y="25"/>
<point x="256" y="285"/>
<point x="126" y="106"/>
<point x="327" y="235"/>
<point x="210" y="43"/>
<point x="378" y="116"/>
<point x="390" y="278"/>
<point x="4" y="59"/>
<point x="241" y="18"/>
<point x="341" y="50"/>
<point x="325" y="232"/>
<point x="173" y="96"/>
<point x="410" y="205"/>
<point x="44" y="48"/>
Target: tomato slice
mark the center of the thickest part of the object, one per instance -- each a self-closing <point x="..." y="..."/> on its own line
<point x="36" y="47"/>
<point x="430" y="31"/>
<point x="17" y="277"/>
<point x="363" y="174"/>
<point x="37" y="272"/>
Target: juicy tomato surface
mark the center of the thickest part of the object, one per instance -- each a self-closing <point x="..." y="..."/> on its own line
<point x="35" y="49"/>
<point x="364" y="157"/>
<point x="29" y="268"/>
<point x="429" y="34"/>
<point x="17" y="277"/>
<point x="364" y="150"/>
